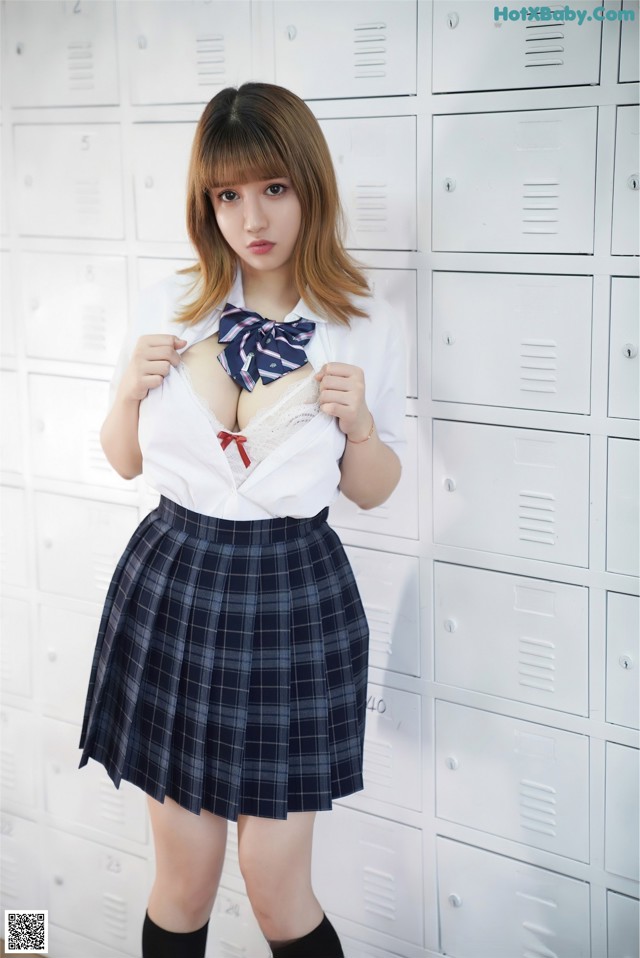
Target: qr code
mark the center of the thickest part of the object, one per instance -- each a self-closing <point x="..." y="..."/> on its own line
<point x="26" y="932"/>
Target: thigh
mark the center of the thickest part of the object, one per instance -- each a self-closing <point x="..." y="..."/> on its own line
<point x="276" y="846"/>
<point x="187" y="844"/>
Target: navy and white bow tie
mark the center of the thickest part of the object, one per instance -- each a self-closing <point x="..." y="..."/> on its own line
<point x="260" y="348"/>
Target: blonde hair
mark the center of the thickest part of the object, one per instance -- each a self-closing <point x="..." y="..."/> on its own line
<point x="257" y="132"/>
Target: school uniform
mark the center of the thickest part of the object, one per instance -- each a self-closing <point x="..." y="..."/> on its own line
<point x="230" y="667"/>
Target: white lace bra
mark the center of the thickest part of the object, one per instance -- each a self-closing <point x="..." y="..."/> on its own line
<point x="267" y="429"/>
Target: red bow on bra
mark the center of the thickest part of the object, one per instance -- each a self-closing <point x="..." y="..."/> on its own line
<point x="228" y="437"/>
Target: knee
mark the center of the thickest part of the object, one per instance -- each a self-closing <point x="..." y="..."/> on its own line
<point x="193" y="893"/>
<point x="265" y="881"/>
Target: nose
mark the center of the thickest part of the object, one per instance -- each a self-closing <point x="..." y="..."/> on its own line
<point x="254" y="214"/>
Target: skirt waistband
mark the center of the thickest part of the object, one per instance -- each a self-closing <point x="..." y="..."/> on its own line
<point x="237" y="532"/>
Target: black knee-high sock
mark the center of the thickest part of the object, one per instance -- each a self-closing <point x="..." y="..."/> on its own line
<point x="157" y="942"/>
<point x="322" y="942"/>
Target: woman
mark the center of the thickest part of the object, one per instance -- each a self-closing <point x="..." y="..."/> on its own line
<point x="229" y="675"/>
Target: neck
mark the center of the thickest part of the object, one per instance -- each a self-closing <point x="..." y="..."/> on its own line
<point x="271" y="294"/>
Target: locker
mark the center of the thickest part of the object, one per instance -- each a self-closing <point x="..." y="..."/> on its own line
<point x="621" y="833"/>
<point x="623" y="515"/>
<point x="65" y="942"/>
<point x="472" y="50"/>
<point x="371" y="48"/>
<point x="16" y="659"/>
<point x="624" y="389"/>
<point x="623" y="921"/>
<point x="74" y="307"/>
<point x="512" y="339"/>
<point x="152" y="269"/>
<point x="231" y="874"/>
<point x="369" y="870"/>
<point x="8" y="321"/>
<point x="626" y="183"/>
<point x="96" y="890"/>
<point x="517" y="182"/>
<point x="398" y="287"/>
<point x="519" y="638"/>
<point x="21" y="860"/>
<point x="14" y="535"/>
<point x="78" y="544"/>
<point x="161" y="162"/>
<point x="375" y="164"/>
<point x="66" y="640"/>
<point x="398" y="516"/>
<point x="20" y="759"/>
<point x="491" y="906"/>
<point x="628" y="70"/>
<point x="88" y="798"/>
<point x="65" y="420"/>
<point x="519" y="780"/>
<point x="68" y="180"/>
<point x="11" y="447"/>
<point x="512" y="491"/>
<point x="61" y="53"/>
<point x="186" y="52"/>
<point x="389" y="587"/>
<point x="234" y="931"/>
<point x="623" y="659"/>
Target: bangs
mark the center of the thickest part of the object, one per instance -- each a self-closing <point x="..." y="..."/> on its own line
<point x="239" y="155"/>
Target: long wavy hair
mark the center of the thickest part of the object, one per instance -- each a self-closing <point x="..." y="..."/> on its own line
<point x="257" y="132"/>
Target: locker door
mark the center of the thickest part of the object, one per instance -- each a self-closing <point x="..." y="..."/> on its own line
<point x="234" y="931"/>
<point x="16" y="660"/>
<point x="496" y="907"/>
<point x="86" y="326"/>
<point x="64" y="942"/>
<point x="621" y="835"/>
<point x="512" y="491"/>
<point x="623" y="659"/>
<point x="523" y="639"/>
<point x="628" y="70"/>
<point x="474" y="50"/>
<point x="20" y="759"/>
<point x="21" y="859"/>
<point x="186" y="52"/>
<point x="624" y="379"/>
<point x="161" y="163"/>
<point x="11" y="450"/>
<point x="13" y="537"/>
<point x="152" y="269"/>
<point x="61" y="53"/>
<point x="66" y="640"/>
<point x="519" y="780"/>
<point x="623" y="516"/>
<point x="390" y="591"/>
<point x="398" y="287"/>
<point x="623" y="921"/>
<point x="7" y="312"/>
<point x="512" y="339"/>
<point x="626" y="183"/>
<point x="69" y="180"/>
<point x="518" y="182"/>
<point x="375" y="163"/>
<point x="369" y="870"/>
<point x="371" y="48"/>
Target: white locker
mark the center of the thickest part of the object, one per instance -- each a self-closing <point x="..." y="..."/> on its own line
<point x="21" y="864"/>
<point x="8" y="320"/>
<point x="398" y="287"/>
<point x="65" y="420"/>
<point x="65" y="942"/>
<point x="624" y="379"/>
<point x="16" y="656"/>
<point x="623" y="508"/>
<point x="74" y="306"/>
<point x="69" y="180"/>
<point x="96" y="890"/>
<point x="496" y="907"/>
<point x="186" y="52"/>
<point x="389" y="587"/>
<point x="20" y="759"/>
<point x="79" y="542"/>
<point x="512" y="339"/>
<point x="507" y="635"/>
<point x="626" y="183"/>
<point x="369" y="870"/>
<point x="512" y="491"/>
<point x="622" y="834"/>
<point x="13" y="537"/>
<point x="623" y="923"/>
<point x="11" y="445"/>
<point x="474" y="50"/>
<point x="152" y="269"/>
<point x="61" y="53"/>
<point x="519" y="780"/>
<point x="80" y="797"/>
<point x="375" y="164"/>
<point x="623" y="659"/>
<point x="234" y="931"/>
<point x="628" y="71"/>
<point x="231" y="874"/>
<point x="66" y="640"/>
<point x="371" y="48"/>
<point x="161" y="162"/>
<point x="517" y="182"/>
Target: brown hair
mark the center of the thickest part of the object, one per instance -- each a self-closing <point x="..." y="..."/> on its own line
<point x="257" y="132"/>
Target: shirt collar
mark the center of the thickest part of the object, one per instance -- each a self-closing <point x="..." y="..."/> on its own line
<point x="300" y="310"/>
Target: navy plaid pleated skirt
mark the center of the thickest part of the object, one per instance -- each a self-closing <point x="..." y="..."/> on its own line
<point x="230" y="667"/>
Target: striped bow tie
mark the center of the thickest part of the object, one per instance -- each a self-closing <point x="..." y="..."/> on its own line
<point x="260" y="348"/>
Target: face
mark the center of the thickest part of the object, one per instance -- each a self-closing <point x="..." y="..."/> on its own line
<point x="260" y="221"/>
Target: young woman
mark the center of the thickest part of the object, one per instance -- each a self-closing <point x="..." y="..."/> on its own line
<point x="229" y="675"/>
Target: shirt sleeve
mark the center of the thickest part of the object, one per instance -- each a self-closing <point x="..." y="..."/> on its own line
<point x="387" y="399"/>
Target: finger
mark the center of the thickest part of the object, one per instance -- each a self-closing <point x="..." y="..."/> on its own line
<point x="342" y="369"/>
<point x="339" y="382"/>
<point x="161" y="339"/>
<point x="337" y="396"/>
<point x="321" y="372"/>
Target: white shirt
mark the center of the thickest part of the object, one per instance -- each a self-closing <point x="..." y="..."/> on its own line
<point x="182" y="457"/>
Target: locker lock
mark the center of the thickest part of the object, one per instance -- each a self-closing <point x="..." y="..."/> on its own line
<point x="449" y="185"/>
<point x="450" y="625"/>
<point x="142" y="42"/>
<point x="449" y="484"/>
<point x="634" y="182"/>
<point x="630" y="350"/>
<point x="58" y="880"/>
<point x="148" y="182"/>
<point x="292" y="33"/>
<point x="452" y="20"/>
<point x="451" y="762"/>
<point x="19" y="48"/>
<point x="455" y="901"/>
<point x="625" y="662"/>
<point x="52" y="655"/>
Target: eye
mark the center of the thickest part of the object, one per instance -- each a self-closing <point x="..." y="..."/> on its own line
<point x="227" y="196"/>
<point x="280" y="187"/>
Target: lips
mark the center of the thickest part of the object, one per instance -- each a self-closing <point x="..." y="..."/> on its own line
<point x="261" y="246"/>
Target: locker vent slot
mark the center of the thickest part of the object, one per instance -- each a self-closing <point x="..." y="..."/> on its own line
<point x="94" y="328"/>
<point x="230" y="949"/>
<point x="538" y="365"/>
<point x="8" y="769"/>
<point x="210" y="60"/>
<point x="371" y="207"/>
<point x="544" y="48"/>
<point x="87" y="197"/>
<point x="369" y="50"/>
<point x="80" y="65"/>
<point x="379" y="620"/>
<point x="9" y="879"/>
<point x="538" y="807"/>
<point x="114" y="912"/>
<point x="379" y="892"/>
<point x="536" y="663"/>
<point x="111" y="804"/>
<point x="540" y="199"/>
<point x="378" y="761"/>
<point x="536" y="517"/>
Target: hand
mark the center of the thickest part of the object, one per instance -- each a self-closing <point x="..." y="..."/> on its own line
<point x="342" y="396"/>
<point x="153" y="357"/>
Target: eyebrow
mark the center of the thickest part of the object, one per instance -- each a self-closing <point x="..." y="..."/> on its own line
<point x="268" y="179"/>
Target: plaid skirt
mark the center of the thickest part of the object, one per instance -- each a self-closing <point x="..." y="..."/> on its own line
<point x="230" y="667"/>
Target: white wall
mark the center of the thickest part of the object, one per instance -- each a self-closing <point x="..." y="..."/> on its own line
<point x="488" y="175"/>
